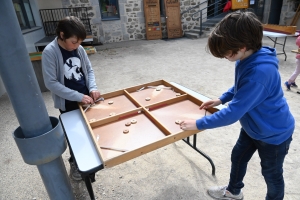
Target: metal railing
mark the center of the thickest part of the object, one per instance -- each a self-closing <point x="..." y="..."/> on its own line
<point x="191" y="8"/>
<point x="51" y="17"/>
<point x="206" y="14"/>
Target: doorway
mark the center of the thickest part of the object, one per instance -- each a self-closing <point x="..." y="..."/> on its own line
<point x="258" y="8"/>
<point x="275" y="11"/>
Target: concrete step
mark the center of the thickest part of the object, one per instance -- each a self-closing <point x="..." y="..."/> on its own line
<point x="206" y="27"/>
<point x="194" y="34"/>
<point x="209" y="24"/>
<point x="191" y="35"/>
<point x="195" y="30"/>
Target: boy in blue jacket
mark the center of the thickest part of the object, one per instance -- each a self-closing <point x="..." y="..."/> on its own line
<point x="256" y="100"/>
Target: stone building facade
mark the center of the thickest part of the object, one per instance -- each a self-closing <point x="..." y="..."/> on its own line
<point x="131" y="25"/>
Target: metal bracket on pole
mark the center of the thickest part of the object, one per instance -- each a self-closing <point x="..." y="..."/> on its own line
<point x="45" y="151"/>
<point x="43" y="148"/>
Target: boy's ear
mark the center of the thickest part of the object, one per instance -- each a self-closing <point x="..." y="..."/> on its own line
<point x="61" y="34"/>
<point x="244" y="49"/>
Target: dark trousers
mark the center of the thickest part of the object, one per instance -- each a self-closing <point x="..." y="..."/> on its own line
<point x="272" y="157"/>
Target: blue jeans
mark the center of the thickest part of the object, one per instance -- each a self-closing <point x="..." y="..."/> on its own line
<point x="272" y="157"/>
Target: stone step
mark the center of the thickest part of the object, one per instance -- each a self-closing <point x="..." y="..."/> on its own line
<point x="194" y="34"/>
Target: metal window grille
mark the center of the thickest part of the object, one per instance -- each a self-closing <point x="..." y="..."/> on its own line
<point x="51" y="17"/>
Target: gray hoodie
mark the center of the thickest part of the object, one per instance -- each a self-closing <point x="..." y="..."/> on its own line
<point x="53" y="73"/>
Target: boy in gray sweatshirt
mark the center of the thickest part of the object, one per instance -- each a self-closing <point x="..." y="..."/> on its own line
<point x="67" y="71"/>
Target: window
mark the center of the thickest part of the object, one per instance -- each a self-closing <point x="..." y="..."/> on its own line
<point x="24" y="14"/>
<point x="109" y="9"/>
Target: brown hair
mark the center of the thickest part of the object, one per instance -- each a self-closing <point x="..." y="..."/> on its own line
<point x="71" y="26"/>
<point x="237" y="30"/>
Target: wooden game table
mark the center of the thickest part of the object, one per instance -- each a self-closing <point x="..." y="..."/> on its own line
<point x="273" y="36"/>
<point x="97" y="136"/>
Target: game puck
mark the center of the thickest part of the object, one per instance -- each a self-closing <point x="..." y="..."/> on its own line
<point x="147" y="98"/>
<point x="178" y="94"/>
<point x="92" y="120"/>
<point x="133" y="121"/>
<point x="125" y="131"/>
<point x="112" y="114"/>
<point x="177" y="121"/>
<point x="110" y="102"/>
<point x="128" y="124"/>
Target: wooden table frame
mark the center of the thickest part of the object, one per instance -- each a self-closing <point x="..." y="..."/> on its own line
<point x="86" y="154"/>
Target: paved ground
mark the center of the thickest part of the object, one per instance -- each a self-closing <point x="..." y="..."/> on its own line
<point x="175" y="171"/>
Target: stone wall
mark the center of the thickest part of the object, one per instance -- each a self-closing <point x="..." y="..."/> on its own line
<point x="287" y="12"/>
<point x="131" y="25"/>
<point x="286" y="15"/>
<point x="187" y="22"/>
<point x="267" y="8"/>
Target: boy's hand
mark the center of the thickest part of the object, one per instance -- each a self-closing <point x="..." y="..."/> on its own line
<point x="210" y="104"/>
<point x="188" y="125"/>
<point x="95" y="94"/>
<point x="87" y="99"/>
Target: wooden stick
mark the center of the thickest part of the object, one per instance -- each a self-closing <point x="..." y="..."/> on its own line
<point x="163" y="87"/>
<point x="114" y="149"/>
<point x="90" y="105"/>
<point x="295" y="51"/>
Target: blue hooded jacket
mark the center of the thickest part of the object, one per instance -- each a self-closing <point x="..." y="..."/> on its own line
<point x="257" y="100"/>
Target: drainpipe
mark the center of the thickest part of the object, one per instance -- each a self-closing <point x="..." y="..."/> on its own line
<point x="40" y="138"/>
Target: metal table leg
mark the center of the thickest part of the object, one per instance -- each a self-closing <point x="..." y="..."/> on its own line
<point x="282" y="44"/>
<point x="194" y="146"/>
<point x="88" y="184"/>
<point x="283" y="48"/>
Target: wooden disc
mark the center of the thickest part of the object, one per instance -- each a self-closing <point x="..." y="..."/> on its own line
<point x="110" y="102"/>
<point x="92" y="120"/>
<point x="147" y="98"/>
<point x="178" y="94"/>
<point x="125" y="131"/>
<point x="128" y="124"/>
<point x="178" y="121"/>
<point x="133" y="121"/>
<point x="112" y="114"/>
<point x="158" y="89"/>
